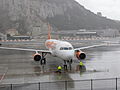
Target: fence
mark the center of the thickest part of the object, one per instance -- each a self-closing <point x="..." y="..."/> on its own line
<point x="93" y="84"/>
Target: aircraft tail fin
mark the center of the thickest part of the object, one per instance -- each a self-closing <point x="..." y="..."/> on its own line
<point x="49" y="31"/>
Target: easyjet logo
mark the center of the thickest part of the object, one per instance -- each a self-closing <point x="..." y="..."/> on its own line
<point x="50" y="44"/>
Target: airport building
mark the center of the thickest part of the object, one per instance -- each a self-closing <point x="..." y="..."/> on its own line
<point x="77" y="34"/>
<point x="108" y="32"/>
<point x="2" y="36"/>
<point x="12" y="32"/>
<point x="69" y="34"/>
<point x="18" y="37"/>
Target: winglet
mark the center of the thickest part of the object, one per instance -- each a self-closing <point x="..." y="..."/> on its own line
<point x="49" y="31"/>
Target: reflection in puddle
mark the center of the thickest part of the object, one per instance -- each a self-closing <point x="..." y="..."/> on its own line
<point x="37" y="70"/>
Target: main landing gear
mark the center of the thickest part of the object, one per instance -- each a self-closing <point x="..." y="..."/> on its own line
<point x="43" y="60"/>
<point x="68" y="62"/>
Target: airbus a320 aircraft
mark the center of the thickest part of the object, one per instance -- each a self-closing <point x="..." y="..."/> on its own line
<point x="57" y="48"/>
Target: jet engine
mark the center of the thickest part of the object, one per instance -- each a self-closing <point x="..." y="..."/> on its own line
<point x="37" y="57"/>
<point x="80" y="54"/>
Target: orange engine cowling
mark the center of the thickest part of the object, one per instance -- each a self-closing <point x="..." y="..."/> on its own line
<point x="37" y="57"/>
<point x="80" y="54"/>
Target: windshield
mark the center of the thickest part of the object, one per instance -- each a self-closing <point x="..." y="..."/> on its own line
<point x="66" y="48"/>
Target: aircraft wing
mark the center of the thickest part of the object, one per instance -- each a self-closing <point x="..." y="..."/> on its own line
<point x="89" y="47"/>
<point x="22" y="49"/>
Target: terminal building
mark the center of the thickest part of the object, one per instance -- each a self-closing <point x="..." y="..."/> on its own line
<point x="18" y="38"/>
<point x="76" y="34"/>
<point x="70" y="34"/>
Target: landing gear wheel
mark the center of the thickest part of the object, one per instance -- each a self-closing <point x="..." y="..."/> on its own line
<point x="70" y="66"/>
<point x="71" y="61"/>
<point x="65" y="67"/>
<point x="43" y="61"/>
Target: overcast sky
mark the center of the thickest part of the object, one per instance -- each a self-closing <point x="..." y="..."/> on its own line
<point x="109" y="8"/>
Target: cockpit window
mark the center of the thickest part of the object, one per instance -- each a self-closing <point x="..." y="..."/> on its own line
<point x="70" y="48"/>
<point x="66" y="48"/>
<point x="61" y="48"/>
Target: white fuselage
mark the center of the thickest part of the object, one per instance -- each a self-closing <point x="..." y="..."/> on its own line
<point x="61" y="49"/>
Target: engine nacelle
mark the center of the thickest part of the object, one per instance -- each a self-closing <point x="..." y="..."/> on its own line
<point x="37" y="57"/>
<point x="80" y="54"/>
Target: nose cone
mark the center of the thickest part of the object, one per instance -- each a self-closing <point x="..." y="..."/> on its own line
<point x="66" y="55"/>
<point x="70" y="54"/>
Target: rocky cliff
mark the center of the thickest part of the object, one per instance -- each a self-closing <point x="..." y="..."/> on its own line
<point x="25" y="15"/>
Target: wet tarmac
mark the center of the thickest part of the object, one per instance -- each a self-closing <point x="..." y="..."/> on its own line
<point x="18" y="67"/>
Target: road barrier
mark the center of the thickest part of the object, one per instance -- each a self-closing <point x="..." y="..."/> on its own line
<point x="91" y="84"/>
<point x="15" y="40"/>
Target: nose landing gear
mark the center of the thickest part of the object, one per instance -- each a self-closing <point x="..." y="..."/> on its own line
<point x="68" y="62"/>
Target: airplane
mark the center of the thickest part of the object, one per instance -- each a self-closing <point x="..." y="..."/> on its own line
<point x="57" y="48"/>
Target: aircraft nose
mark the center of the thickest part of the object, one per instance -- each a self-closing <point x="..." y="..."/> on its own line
<point x="70" y="55"/>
